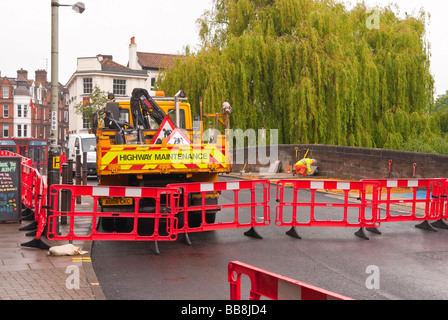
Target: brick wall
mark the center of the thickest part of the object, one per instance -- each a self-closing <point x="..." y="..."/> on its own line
<point x="357" y="163"/>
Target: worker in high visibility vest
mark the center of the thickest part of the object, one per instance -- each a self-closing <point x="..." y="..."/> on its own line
<point x="303" y="167"/>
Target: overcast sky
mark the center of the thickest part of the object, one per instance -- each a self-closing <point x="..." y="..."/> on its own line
<point x="160" y="26"/>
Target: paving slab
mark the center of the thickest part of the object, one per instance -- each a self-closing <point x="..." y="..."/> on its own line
<point x="31" y="274"/>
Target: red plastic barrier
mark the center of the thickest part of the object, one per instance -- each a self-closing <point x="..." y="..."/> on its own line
<point x="234" y="212"/>
<point x="41" y="211"/>
<point x="300" y="208"/>
<point x="274" y="286"/>
<point x="7" y="153"/>
<point x="28" y="180"/>
<point x="433" y="203"/>
<point x="165" y="215"/>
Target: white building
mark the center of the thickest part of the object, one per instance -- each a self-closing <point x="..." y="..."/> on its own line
<point x="152" y="63"/>
<point x="142" y="71"/>
<point x="109" y="76"/>
<point x="22" y="112"/>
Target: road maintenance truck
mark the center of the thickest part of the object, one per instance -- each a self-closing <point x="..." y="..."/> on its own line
<point x="153" y="141"/>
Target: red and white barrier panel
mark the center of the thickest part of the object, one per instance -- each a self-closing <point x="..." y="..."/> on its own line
<point x="273" y="286"/>
<point x="432" y="204"/>
<point x="246" y="205"/>
<point x="162" y="218"/>
<point x="303" y="210"/>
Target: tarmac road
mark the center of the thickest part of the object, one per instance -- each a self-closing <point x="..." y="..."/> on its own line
<point x="410" y="263"/>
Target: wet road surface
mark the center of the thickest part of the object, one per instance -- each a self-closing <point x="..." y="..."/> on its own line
<point x="410" y="262"/>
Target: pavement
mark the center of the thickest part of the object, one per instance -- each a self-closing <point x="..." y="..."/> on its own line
<point x="32" y="274"/>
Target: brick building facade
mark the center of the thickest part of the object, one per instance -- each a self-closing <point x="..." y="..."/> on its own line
<point x="25" y="107"/>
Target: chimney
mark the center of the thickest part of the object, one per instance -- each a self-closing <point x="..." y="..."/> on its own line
<point x="23" y="73"/>
<point x="133" y="61"/>
<point x="41" y="76"/>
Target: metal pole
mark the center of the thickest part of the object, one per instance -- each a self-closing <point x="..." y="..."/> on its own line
<point x="53" y="165"/>
<point x="84" y="168"/>
<point x="54" y="72"/>
<point x="64" y="193"/>
<point x="78" y="174"/>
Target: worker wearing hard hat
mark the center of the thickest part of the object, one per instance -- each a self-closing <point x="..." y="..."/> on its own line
<point x="303" y="167"/>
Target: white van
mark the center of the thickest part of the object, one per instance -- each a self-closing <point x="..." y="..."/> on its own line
<point x="84" y="142"/>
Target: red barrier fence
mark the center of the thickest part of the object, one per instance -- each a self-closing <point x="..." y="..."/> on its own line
<point x="198" y="207"/>
<point x="41" y="211"/>
<point x="303" y="209"/>
<point x="274" y="286"/>
<point x="163" y="218"/>
<point x="432" y="205"/>
<point x="7" y="153"/>
<point x="246" y="207"/>
<point x="28" y="180"/>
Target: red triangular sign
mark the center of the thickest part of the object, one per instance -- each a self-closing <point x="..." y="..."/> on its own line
<point x="178" y="137"/>
<point x="166" y="128"/>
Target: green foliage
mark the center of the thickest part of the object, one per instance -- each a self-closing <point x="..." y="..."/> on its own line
<point x="441" y="103"/>
<point x="98" y="99"/>
<point x="314" y="71"/>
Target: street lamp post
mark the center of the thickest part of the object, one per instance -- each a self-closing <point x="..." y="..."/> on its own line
<point x="54" y="154"/>
<point x="53" y="160"/>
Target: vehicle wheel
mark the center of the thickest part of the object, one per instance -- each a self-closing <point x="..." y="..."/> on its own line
<point x="195" y="217"/>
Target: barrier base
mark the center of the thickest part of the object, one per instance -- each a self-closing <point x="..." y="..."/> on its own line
<point x="32" y="233"/>
<point x="361" y="234"/>
<point x="440" y="224"/>
<point x="187" y="239"/>
<point x="31" y="226"/>
<point x="425" y="225"/>
<point x="28" y="215"/>
<point x="36" y="243"/>
<point x="293" y="233"/>
<point x="374" y="230"/>
<point x="156" y="248"/>
<point x="253" y="233"/>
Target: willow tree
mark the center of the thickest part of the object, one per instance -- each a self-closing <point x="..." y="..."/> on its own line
<point x="313" y="70"/>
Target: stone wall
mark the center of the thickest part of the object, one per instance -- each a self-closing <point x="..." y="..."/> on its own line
<point x="351" y="162"/>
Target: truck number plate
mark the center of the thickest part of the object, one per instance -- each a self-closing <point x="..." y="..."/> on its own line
<point x="116" y="201"/>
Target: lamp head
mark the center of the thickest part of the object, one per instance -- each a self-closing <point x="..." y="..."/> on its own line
<point x="79" y="7"/>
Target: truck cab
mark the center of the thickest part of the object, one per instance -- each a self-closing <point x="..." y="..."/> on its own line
<point x="154" y="142"/>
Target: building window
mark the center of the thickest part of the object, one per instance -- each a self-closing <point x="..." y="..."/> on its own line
<point x="86" y="122"/>
<point x="19" y="111"/>
<point x="65" y="116"/>
<point x="5" y="111"/>
<point x="5" y="92"/>
<point x="120" y="87"/>
<point x="25" y="131"/>
<point x="5" y="131"/>
<point x="87" y="85"/>
<point x="19" y="130"/>
<point x="25" y="111"/>
<point x="153" y="83"/>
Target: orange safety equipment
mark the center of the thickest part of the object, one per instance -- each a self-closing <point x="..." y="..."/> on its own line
<point x="303" y="167"/>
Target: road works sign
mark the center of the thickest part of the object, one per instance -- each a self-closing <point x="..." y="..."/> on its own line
<point x="141" y="158"/>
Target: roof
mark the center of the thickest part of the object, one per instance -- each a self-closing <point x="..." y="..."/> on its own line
<point x="110" y="65"/>
<point x="21" y="89"/>
<point x="156" y="61"/>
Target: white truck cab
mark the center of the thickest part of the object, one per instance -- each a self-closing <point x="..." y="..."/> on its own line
<point x="84" y="142"/>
